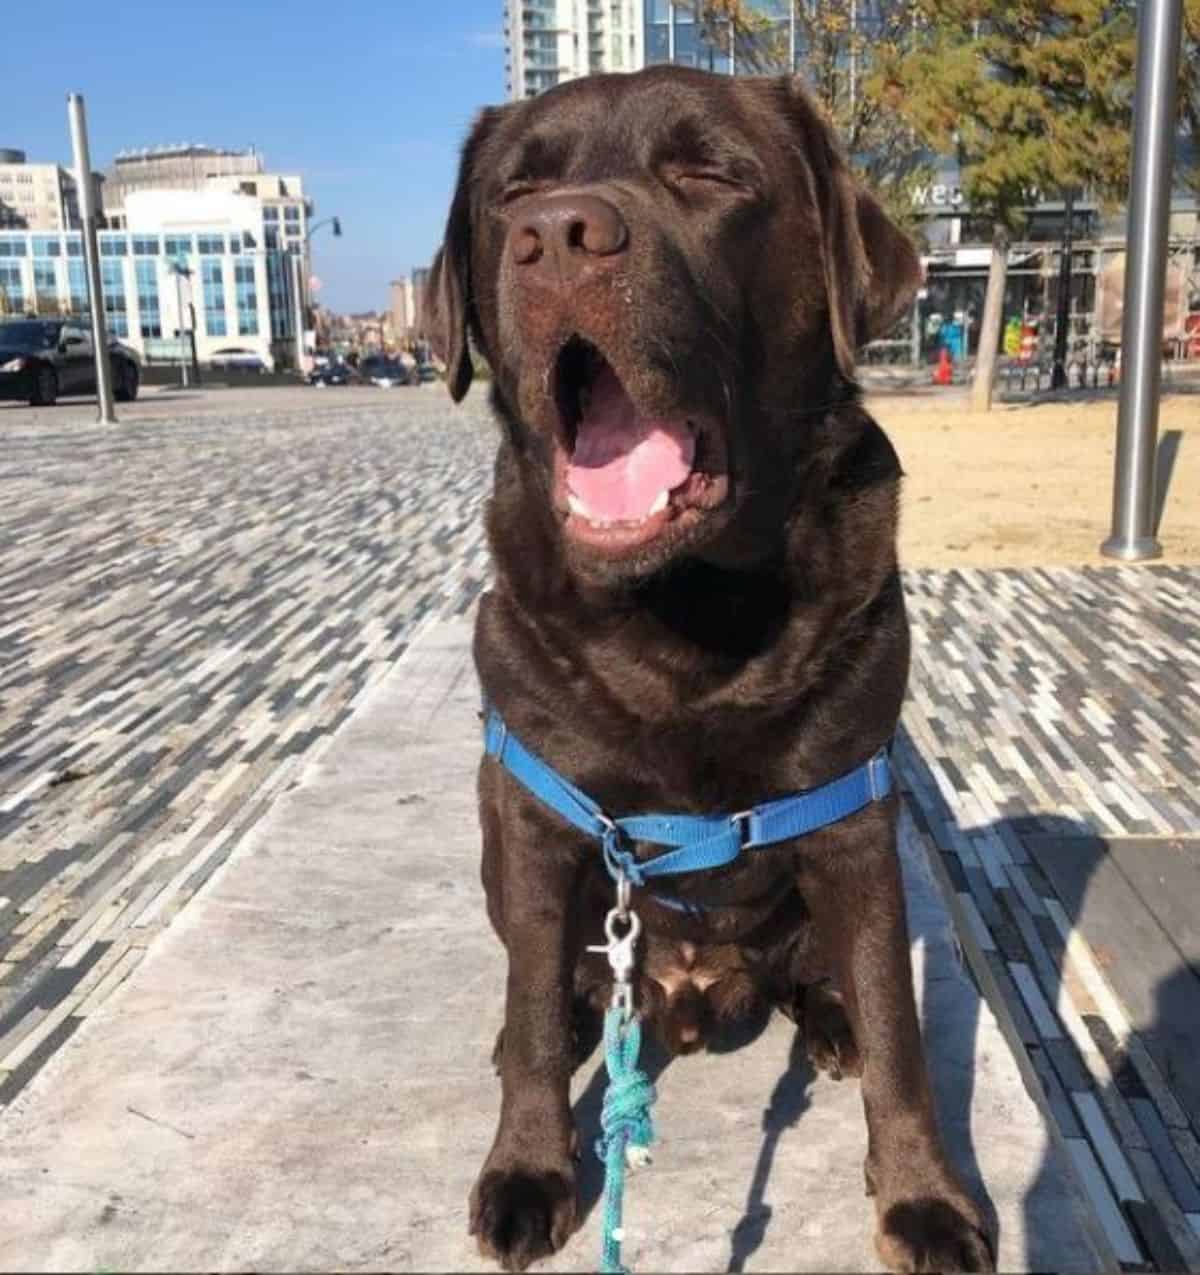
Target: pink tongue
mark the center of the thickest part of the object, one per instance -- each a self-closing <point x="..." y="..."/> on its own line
<point x="622" y="460"/>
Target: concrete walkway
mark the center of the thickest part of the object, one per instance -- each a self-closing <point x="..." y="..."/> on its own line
<point x="297" y="1076"/>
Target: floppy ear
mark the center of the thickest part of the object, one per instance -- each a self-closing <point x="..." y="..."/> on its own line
<point x="872" y="270"/>
<point x="448" y="295"/>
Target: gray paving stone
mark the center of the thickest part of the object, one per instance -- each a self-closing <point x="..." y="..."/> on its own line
<point x="324" y="1100"/>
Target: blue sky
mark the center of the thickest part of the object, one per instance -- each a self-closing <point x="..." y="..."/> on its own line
<point x="368" y="100"/>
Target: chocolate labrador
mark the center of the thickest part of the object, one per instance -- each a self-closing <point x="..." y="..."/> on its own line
<point x="696" y="605"/>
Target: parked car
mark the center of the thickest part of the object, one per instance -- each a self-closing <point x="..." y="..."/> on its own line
<point x="330" y="374"/>
<point x="43" y="358"/>
<point x="237" y="359"/>
<point x="385" y="372"/>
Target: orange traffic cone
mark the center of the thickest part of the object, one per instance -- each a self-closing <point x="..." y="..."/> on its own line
<point x="944" y="372"/>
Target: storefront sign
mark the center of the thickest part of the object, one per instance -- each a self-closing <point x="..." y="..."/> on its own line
<point x="938" y="195"/>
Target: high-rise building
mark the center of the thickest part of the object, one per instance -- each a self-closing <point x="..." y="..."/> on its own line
<point x="420" y="280"/>
<point x="550" y="41"/>
<point x="401" y="306"/>
<point x="764" y="43"/>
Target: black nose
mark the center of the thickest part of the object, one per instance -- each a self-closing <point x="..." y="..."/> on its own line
<point x="567" y="233"/>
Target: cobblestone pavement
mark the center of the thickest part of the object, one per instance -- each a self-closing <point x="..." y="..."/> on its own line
<point x="187" y="608"/>
<point x="190" y="606"/>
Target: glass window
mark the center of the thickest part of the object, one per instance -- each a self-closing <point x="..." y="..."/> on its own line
<point x="74" y="246"/>
<point x="77" y="286"/>
<point x="247" y="296"/>
<point x="291" y="213"/>
<point x="12" y="247"/>
<point x="145" y="245"/>
<point x="12" y="287"/>
<point x="149" y="314"/>
<point x="114" y="247"/>
<point x="277" y="296"/>
<point x="210" y="245"/>
<point x="112" y="286"/>
<point x="45" y="287"/>
<point x="47" y="246"/>
<point x="270" y="213"/>
<point x="177" y="246"/>
<point x="213" y="274"/>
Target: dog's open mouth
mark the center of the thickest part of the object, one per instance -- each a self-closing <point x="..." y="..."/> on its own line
<point x="625" y="476"/>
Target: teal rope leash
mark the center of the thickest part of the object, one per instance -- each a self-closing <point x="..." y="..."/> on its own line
<point x="627" y="1129"/>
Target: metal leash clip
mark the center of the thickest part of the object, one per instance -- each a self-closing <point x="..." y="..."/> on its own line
<point x="620" y="948"/>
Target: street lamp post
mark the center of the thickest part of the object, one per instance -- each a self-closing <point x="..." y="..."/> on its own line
<point x="298" y="282"/>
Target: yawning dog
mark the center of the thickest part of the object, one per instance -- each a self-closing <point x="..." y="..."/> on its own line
<point x="696" y="606"/>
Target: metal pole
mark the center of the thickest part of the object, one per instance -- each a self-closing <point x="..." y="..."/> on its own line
<point x="183" y="354"/>
<point x="1058" y="378"/>
<point x="295" y="256"/>
<point x="91" y="256"/>
<point x="1132" y="536"/>
<point x="792" y="38"/>
<point x="671" y="31"/>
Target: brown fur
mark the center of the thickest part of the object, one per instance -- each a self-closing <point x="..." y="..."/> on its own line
<point x="727" y="264"/>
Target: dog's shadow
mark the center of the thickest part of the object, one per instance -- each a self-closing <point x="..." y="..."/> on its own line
<point x="788" y="1102"/>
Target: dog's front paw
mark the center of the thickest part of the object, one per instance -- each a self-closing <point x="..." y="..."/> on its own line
<point x="520" y="1215"/>
<point x="932" y="1234"/>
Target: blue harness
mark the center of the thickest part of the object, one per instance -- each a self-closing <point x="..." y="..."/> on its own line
<point x="696" y="842"/>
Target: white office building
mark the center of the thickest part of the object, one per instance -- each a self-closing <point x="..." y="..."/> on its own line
<point x="550" y="41"/>
<point x="215" y="262"/>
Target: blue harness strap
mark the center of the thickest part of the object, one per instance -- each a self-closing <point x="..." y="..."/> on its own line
<point x="695" y="842"/>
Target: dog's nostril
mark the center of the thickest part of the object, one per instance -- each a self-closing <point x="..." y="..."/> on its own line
<point x="577" y="234"/>
<point x="527" y="246"/>
<point x="603" y="234"/>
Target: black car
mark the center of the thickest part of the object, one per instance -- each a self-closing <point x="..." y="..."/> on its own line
<point x="43" y="358"/>
<point x="330" y="374"/>
<point x="385" y="372"/>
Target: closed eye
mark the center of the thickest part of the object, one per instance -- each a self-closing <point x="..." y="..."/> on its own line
<point x="520" y="189"/>
<point x="712" y="180"/>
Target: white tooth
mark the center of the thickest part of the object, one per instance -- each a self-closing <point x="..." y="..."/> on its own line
<point x="575" y="505"/>
<point x="660" y="501"/>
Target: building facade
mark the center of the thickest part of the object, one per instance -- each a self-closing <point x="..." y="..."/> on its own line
<point x="36" y="196"/>
<point x="403" y="312"/>
<point x="420" y="281"/>
<point x="198" y="241"/>
<point x="208" y="265"/>
<point x="548" y="42"/>
<point x="184" y="167"/>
